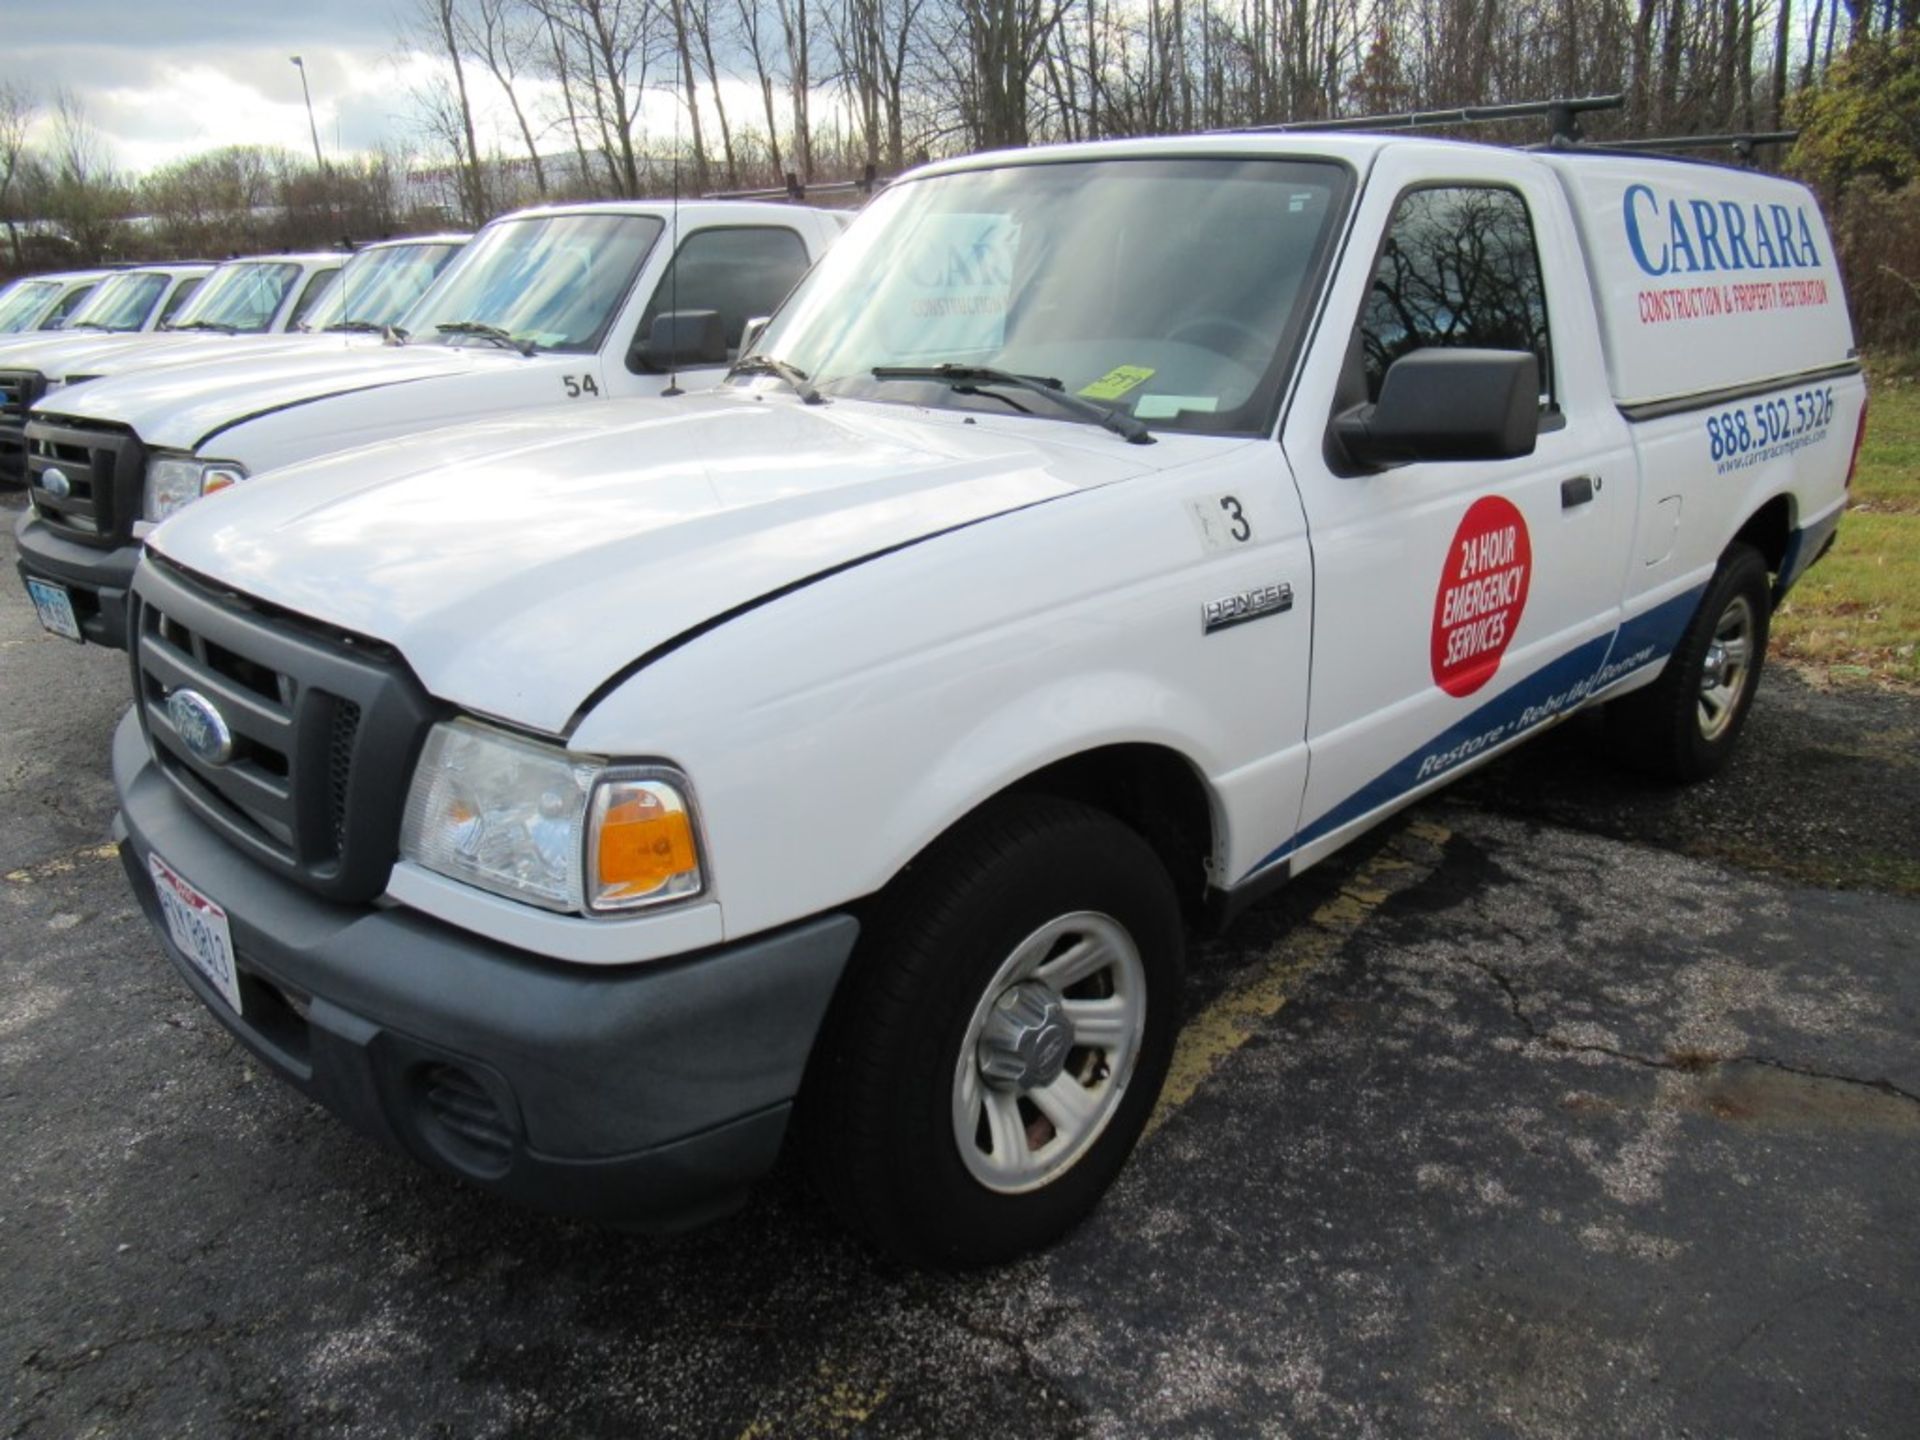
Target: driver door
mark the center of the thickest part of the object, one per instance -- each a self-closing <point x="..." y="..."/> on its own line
<point x="1460" y="603"/>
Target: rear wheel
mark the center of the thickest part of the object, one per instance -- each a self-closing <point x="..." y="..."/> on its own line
<point x="1684" y="725"/>
<point x="1002" y="1038"/>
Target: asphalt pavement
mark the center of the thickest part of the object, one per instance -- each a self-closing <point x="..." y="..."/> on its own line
<point x="1564" y="1105"/>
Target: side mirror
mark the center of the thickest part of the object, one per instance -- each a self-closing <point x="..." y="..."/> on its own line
<point x="1440" y="404"/>
<point x="752" y="332"/>
<point x="681" y="339"/>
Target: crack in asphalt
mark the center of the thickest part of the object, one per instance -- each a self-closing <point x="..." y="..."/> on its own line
<point x="1692" y="1063"/>
<point x="92" y="1353"/>
<point x="1028" y="1365"/>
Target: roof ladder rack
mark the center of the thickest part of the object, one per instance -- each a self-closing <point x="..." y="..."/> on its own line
<point x="1742" y="146"/>
<point x="796" y="190"/>
<point x="1563" y="118"/>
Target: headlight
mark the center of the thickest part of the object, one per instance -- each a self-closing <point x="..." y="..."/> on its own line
<point x="177" y="481"/>
<point x="529" y="821"/>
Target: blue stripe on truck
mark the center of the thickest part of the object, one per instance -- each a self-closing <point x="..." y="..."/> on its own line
<point x="1556" y="688"/>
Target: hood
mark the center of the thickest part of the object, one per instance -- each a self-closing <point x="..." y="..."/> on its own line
<point x="520" y="564"/>
<point x="59" y="353"/>
<point x="175" y="407"/>
<point x="198" y="348"/>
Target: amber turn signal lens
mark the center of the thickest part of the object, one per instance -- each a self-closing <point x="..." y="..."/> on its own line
<point x="644" y="845"/>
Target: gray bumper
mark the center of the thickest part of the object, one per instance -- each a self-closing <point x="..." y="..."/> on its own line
<point x="649" y="1094"/>
<point x="97" y="579"/>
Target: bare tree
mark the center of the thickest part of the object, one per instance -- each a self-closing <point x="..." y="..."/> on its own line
<point x="502" y="34"/>
<point x="439" y="28"/>
<point x="87" y="197"/>
<point x="17" y="111"/>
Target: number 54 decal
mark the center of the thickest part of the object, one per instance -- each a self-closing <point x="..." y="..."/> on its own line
<point x="578" y="385"/>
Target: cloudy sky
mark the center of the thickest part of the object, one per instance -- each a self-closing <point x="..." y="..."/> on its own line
<point x="165" y="78"/>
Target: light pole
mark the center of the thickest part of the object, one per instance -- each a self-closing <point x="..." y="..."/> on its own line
<point x="314" y="129"/>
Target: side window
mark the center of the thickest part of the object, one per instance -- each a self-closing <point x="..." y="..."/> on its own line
<point x="742" y="273"/>
<point x="1458" y="269"/>
<point x="316" y="287"/>
<point x="182" y="293"/>
<point x="66" y="307"/>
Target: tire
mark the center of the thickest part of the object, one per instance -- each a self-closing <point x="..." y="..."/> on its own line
<point x="1683" y="727"/>
<point x="936" y="991"/>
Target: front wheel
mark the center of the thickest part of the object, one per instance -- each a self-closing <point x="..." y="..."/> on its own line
<point x="1002" y="1037"/>
<point x="1683" y="726"/>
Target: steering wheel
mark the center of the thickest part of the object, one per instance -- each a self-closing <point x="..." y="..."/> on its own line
<point x="1244" y="343"/>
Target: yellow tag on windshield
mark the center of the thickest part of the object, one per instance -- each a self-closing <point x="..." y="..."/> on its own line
<point x="1117" y="382"/>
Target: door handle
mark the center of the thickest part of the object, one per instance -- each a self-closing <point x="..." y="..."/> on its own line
<point x="1577" y="491"/>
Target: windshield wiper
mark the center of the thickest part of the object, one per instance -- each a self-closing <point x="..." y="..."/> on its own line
<point x="359" y="327"/>
<point x="224" y="329"/>
<point x="968" y="379"/>
<point x="792" y="374"/>
<point x="487" y="332"/>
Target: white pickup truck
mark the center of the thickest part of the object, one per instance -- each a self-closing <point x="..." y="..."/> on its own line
<point x="349" y="303"/>
<point x="126" y="303"/>
<point x="266" y="295"/>
<point x="1098" y="537"/>
<point x="43" y="302"/>
<point x="560" y="305"/>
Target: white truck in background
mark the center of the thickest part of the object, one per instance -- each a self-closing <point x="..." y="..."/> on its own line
<point x="340" y="304"/>
<point x="561" y="305"/>
<point x="1101" y="535"/>
<point x="43" y="302"/>
<point x="357" y="304"/>
<point x="127" y="302"/>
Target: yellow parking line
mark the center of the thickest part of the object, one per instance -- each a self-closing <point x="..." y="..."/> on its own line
<point x="1230" y="1021"/>
<point x="63" y="865"/>
<point x="832" y="1407"/>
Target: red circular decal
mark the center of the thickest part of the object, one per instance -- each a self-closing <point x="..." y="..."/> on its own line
<point x="1483" y="589"/>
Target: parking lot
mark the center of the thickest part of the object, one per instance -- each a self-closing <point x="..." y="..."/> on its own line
<point x="1565" y="1105"/>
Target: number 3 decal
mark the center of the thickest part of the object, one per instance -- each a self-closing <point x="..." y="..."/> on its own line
<point x="578" y="385"/>
<point x="1242" y="531"/>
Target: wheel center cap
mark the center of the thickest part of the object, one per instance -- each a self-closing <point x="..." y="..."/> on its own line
<point x="1027" y="1038"/>
<point x="1716" y="671"/>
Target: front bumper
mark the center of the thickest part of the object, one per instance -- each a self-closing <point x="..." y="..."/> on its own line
<point x="648" y="1095"/>
<point x="96" y="579"/>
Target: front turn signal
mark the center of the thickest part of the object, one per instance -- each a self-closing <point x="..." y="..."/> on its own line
<point x="645" y="850"/>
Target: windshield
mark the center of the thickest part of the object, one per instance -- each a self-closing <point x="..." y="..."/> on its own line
<point x="122" y="302"/>
<point x="1173" y="289"/>
<point x="243" y="296"/>
<point x="21" y="306"/>
<point x="377" y="287"/>
<point x="551" y="281"/>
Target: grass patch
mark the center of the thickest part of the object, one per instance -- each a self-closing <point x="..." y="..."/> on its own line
<point x="1857" y="613"/>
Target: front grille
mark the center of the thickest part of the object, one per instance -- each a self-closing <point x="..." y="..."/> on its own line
<point x="325" y="727"/>
<point x="346" y="726"/>
<point x="103" y="469"/>
<point x="18" y="390"/>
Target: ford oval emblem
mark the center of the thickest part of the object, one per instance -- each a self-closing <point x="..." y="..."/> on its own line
<point x="55" y="483"/>
<point x="200" y="727"/>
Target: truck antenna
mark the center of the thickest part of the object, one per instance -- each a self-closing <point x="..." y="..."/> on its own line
<point x="673" y="245"/>
<point x="346" y="298"/>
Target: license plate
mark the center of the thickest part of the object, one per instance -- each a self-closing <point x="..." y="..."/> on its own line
<point x="55" y="607"/>
<point x="199" y="927"/>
